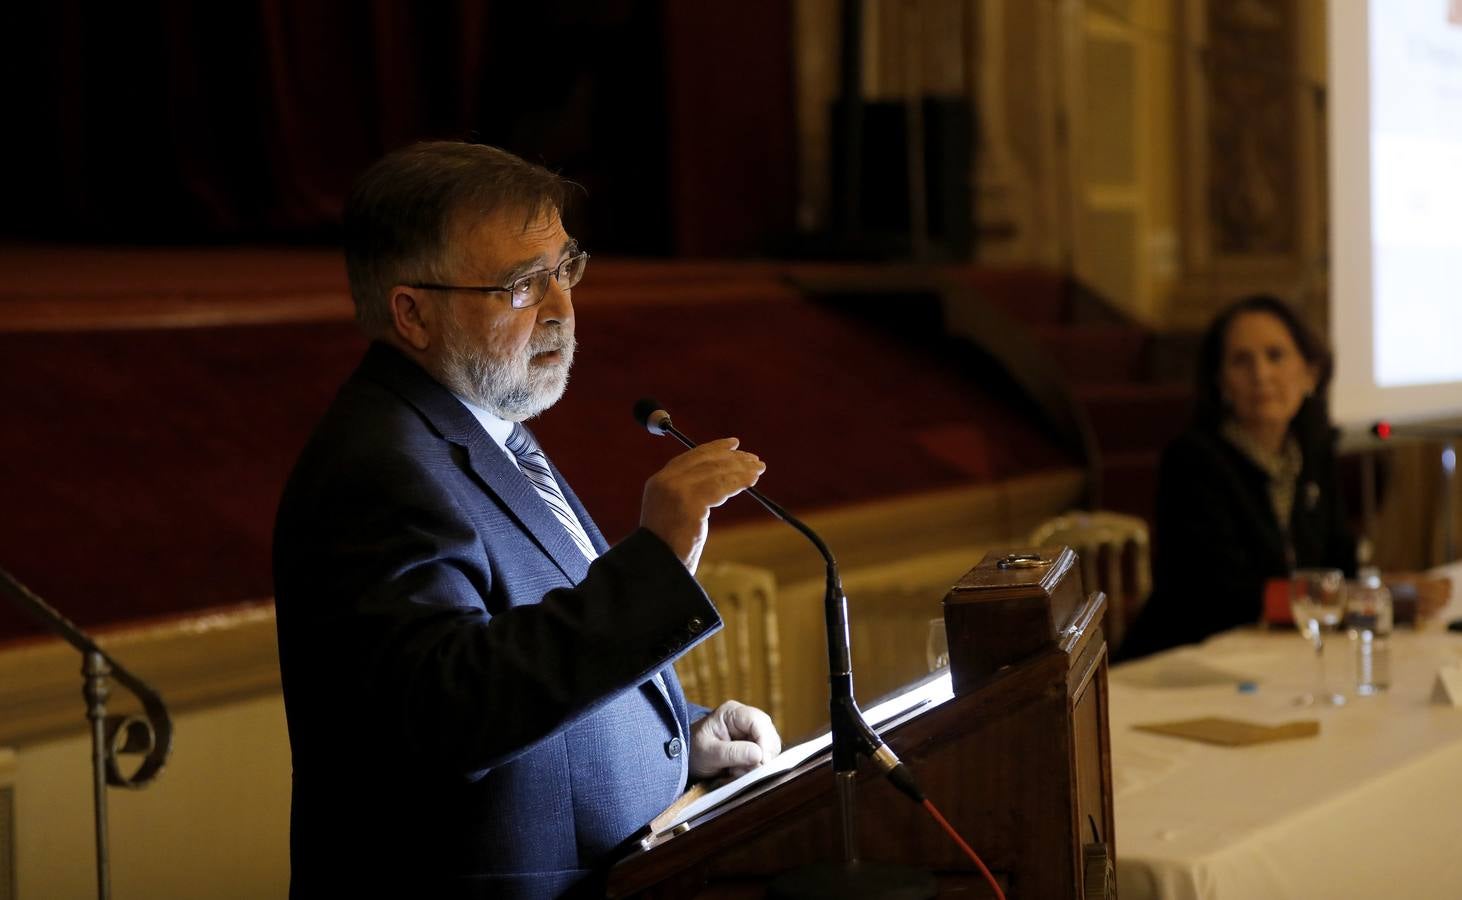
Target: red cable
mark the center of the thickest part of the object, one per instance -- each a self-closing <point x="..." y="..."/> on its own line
<point x="949" y="829"/>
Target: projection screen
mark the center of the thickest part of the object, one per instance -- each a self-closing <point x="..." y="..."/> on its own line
<point x="1395" y="110"/>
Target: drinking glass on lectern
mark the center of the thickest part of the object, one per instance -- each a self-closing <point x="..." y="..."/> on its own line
<point x="936" y="646"/>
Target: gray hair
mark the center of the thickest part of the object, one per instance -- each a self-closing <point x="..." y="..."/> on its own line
<point x="402" y="214"/>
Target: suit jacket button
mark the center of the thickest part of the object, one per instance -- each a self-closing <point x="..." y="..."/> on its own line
<point x="674" y="747"/>
<point x="695" y="625"/>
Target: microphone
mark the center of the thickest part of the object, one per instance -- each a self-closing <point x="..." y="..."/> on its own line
<point x="851" y="733"/>
<point x="652" y="416"/>
<point x="654" y="419"/>
<point x="1384" y="430"/>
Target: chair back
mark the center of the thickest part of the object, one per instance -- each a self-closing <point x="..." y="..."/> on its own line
<point x="743" y="662"/>
<point x="1115" y="558"/>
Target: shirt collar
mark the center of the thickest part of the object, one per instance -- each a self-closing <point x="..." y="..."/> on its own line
<point x="497" y="429"/>
<point x="1284" y="465"/>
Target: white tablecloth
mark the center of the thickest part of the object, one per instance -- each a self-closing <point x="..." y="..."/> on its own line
<point x="1371" y="807"/>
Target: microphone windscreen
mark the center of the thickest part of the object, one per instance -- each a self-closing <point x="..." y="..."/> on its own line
<point x="646" y="407"/>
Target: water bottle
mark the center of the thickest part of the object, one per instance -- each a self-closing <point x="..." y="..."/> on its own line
<point x="1368" y="623"/>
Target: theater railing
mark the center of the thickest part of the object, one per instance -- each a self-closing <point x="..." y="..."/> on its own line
<point x="150" y="735"/>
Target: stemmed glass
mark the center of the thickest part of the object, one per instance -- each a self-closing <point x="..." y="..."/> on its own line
<point x="1317" y="600"/>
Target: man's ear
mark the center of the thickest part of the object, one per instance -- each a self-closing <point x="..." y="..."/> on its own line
<point x="413" y="317"/>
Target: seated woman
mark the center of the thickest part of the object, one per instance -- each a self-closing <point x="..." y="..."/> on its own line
<point x="1249" y="492"/>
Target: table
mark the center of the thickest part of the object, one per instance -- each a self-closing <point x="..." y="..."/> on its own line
<point x="1371" y="807"/>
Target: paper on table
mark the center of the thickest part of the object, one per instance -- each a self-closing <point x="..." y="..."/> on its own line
<point x="933" y="691"/>
<point x="1174" y="671"/>
<point x="1447" y="690"/>
<point x="1233" y="732"/>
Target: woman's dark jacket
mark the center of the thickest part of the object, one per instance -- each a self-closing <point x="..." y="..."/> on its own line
<point x="1216" y="539"/>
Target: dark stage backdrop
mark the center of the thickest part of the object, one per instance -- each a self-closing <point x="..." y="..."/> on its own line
<point x="172" y="121"/>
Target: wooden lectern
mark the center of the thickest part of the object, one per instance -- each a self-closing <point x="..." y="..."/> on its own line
<point x="1019" y="761"/>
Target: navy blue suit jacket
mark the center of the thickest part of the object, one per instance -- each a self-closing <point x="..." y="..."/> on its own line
<point x="472" y="708"/>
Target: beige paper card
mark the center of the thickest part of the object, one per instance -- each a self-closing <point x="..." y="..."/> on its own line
<point x="1233" y="732"/>
<point x="1447" y="690"/>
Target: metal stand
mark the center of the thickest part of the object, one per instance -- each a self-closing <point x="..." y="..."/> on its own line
<point x="1449" y="475"/>
<point x="847" y="815"/>
<point x="1447" y="434"/>
<point x="1368" y="505"/>
<point x="96" y="691"/>
<point x="851" y="734"/>
<point x="110" y="734"/>
<point x="852" y="879"/>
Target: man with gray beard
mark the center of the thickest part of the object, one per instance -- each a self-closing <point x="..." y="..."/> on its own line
<point x="479" y="688"/>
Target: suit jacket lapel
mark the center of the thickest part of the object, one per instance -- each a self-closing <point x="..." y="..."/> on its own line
<point x="489" y="462"/>
<point x="503" y="478"/>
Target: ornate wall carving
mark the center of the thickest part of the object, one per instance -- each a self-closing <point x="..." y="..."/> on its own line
<point x="1249" y="94"/>
<point x="1253" y="155"/>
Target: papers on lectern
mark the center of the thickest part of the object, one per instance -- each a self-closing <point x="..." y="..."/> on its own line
<point x="929" y="692"/>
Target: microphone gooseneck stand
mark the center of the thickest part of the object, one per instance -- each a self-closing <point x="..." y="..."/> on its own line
<point x="1447" y="435"/>
<point x="110" y="734"/>
<point x="851" y="734"/>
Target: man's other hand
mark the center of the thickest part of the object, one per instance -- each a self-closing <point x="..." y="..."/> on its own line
<point x="679" y="498"/>
<point x="733" y="739"/>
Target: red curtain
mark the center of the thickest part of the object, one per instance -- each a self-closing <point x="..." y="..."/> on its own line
<point x="185" y="121"/>
<point x="177" y="120"/>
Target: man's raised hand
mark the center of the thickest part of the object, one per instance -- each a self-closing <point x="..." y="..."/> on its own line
<point x="679" y="498"/>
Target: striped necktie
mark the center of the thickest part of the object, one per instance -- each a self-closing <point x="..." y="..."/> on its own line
<point x="535" y="465"/>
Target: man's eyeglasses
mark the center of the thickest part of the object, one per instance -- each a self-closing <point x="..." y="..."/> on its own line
<point x="527" y="290"/>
